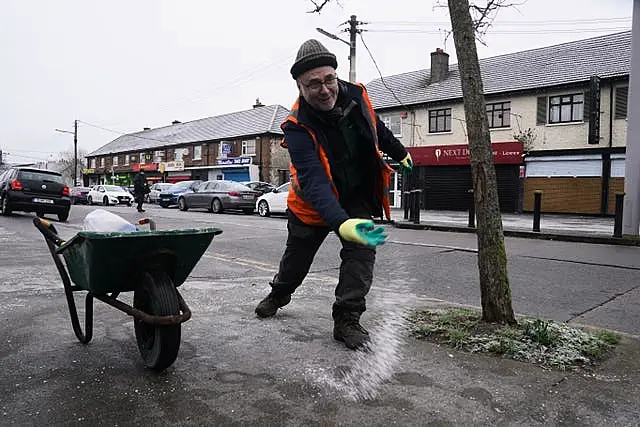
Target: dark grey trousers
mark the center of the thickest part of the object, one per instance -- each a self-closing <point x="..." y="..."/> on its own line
<point x="356" y="269"/>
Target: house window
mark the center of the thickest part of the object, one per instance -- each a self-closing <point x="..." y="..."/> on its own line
<point x="142" y="159"/>
<point x="566" y="108"/>
<point x="115" y="161"/>
<point x="102" y="162"/>
<point x="197" y="152"/>
<point x="126" y="160"/>
<point x="394" y="123"/>
<point x="93" y="163"/>
<point x="179" y="153"/>
<point x="440" y="120"/>
<point x="158" y="156"/>
<point x="249" y="147"/>
<point x="622" y="95"/>
<point x="499" y="114"/>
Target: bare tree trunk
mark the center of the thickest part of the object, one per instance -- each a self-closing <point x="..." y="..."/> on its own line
<point x="492" y="257"/>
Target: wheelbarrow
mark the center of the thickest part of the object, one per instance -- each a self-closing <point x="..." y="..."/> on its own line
<point x="152" y="264"/>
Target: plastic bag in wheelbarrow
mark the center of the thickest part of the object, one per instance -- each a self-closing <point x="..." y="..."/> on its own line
<point x="114" y="262"/>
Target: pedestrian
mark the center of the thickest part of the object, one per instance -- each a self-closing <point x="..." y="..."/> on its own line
<point x="339" y="181"/>
<point x="140" y="189"/>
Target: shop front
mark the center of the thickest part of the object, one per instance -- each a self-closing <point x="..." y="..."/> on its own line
<point x="443" y="173"/>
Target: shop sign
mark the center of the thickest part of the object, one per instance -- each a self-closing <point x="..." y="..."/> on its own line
<point x="88" y="171"/>
<point x="171" y="166"/>
<point x="442" y="155"/>
<point x="235" y="161"/>
<point x="226" y="148"/>
<point x="145" y="167"/>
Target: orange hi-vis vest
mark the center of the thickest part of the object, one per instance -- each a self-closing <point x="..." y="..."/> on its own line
<point x="295" y="199"/>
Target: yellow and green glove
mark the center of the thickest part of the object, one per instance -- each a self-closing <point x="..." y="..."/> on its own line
<point x="362" y="231"/>
<point x="406" y="164"/>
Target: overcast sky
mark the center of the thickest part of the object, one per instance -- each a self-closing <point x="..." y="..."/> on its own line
<point x="124" y="65"/>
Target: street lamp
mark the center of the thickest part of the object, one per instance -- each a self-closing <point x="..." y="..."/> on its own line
<point x="75" y="149"/>
<point x="352" y="52"/>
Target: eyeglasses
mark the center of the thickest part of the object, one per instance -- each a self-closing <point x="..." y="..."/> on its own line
<point x="316" y="85"/>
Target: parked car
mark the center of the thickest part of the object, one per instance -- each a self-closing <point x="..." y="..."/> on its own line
<point x="34" y="190"/>
<point x="273" y="202"/>
<point x="156" y="189"/>
<point x="79" y="195"/>
<point x="216" y="196"/>
<point x="170" y="196"/>
<point x="109" y="195"/>
<point x="259" y="186"/>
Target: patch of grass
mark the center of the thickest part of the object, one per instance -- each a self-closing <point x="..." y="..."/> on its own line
<point x="538" y="341"/>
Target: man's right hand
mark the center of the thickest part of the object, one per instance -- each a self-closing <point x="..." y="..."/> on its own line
<point x="362" y="231"/>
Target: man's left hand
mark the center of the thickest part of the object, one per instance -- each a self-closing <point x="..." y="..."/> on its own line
<point x="406" y="164"/>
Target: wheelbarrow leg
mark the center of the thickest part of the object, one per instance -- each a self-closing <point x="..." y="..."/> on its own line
<point x="85" y="337"/>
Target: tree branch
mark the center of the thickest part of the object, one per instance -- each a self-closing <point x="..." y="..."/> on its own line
<point x="318" y="7"/>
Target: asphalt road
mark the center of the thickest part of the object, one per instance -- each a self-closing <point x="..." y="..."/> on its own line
<point x="229" y="358"/>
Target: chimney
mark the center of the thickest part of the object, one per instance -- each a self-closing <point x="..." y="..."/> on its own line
<point x="175" y="122"/>
<point x="439" y="65"/>
<point x="258" y="103"/>
<point x="146" y="128"/>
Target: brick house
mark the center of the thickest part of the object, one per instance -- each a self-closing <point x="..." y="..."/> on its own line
<point x="239" y="146"/>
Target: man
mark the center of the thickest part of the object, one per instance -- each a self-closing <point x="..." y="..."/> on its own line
<point x="140" y="189"/>
<point x="338" y="183"/>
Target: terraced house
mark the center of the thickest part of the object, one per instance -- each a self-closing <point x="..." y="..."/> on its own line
<point x="239" y="146"/>
<point x="557" y="117"/>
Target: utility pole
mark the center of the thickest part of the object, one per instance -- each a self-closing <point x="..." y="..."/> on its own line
<point x="75" y="153"/>
<point x="75" y="150"/>
<point x="353" y="30"/>
<point x="631" y="210"/>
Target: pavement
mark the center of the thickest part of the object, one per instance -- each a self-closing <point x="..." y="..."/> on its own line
<point x="572" y="228"/>
<point x="235" y="369"/>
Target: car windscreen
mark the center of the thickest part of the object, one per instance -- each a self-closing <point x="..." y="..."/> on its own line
<point x="39" y="176"/>
<point x="182" y="184"/>
<point x="113" y="188"/>
<point x="234" y="186"/>
<point x="164" y="186"/>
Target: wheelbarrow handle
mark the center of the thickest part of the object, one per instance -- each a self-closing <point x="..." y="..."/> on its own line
<point x="48" y="231"/>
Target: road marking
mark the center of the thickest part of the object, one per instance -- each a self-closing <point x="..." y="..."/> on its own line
<point x="431" y="245"/>
<point x="247" y="262"/>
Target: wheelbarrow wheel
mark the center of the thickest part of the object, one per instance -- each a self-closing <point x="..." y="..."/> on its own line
<point x="157" y="296"/>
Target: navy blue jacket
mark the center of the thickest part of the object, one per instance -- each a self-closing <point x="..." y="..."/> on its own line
<point x="314" y="183"/>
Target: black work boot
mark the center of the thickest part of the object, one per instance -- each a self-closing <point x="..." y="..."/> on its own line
<point x="271" y="304"/>
<point x="347" y="328"/>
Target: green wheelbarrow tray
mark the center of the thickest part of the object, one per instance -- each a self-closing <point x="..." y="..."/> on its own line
<point x="103" y="263"/>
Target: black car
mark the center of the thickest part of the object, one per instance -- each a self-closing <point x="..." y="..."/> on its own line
<point x="34" y="190"/>
<point x="79" y="195"/>
<point x="259" y="186"/>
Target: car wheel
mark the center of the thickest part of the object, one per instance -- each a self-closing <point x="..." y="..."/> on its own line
<point x="216" y="206"/>
<point x="263" y="208"/>
<point x="5" y="206"/>
<point x="89" y="201"/>
<point x="182" y="204"/>
<point x="105" y="201"/>
<point x="62" y="217"/>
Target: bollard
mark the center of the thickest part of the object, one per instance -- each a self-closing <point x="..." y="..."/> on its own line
<point x="415" y="195"/>
<point x="472" y="211"/>
<point x="406" y="197"/>
<point x="617" y="224"/>
<point x="537" y="206"/>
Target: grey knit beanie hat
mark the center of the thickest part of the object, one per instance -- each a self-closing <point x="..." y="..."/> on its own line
<point x="312" y="54"/>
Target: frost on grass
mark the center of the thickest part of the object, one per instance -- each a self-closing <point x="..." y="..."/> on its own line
<point x="542" y="342"/>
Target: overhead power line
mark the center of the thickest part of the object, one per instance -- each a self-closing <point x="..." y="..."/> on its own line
<point x="549" y="22"/>
<point x="522" y="31"/>
<point x="128" y="134"/>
